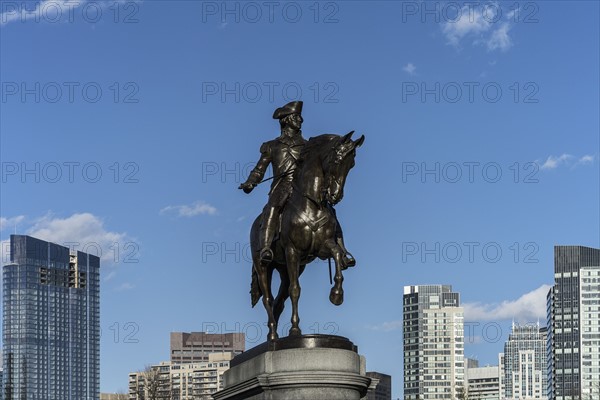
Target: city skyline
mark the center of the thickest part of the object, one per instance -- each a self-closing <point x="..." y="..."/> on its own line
<point x="125" y="133"/>
<point x="523" y="359"/>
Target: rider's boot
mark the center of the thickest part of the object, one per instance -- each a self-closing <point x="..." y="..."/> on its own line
<point x="265" y="237"/>
<point x="348" y="259"/>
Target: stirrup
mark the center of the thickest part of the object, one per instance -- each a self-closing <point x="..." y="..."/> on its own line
<point x="349" y="260"/>
<point x="266" y="255"/>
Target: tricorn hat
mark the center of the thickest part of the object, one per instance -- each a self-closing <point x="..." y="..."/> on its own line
<point x="294" y="107"/>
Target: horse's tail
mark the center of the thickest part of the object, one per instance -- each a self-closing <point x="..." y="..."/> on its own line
<point x="255" y="292"/>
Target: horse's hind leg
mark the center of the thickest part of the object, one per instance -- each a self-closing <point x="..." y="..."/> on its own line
<point x="293" y="269"/>
<point x="336" y="295"/>
<point x="282" y="296"/>
<point x="264" y="282"/>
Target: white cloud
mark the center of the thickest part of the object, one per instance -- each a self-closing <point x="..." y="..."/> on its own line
<point x="192" y="210"/>
<point x="85" y="232"/>
<point x="587" y="159"/>
<point x="387" y="326"/>
<point x="529" y="307"/>
<point x="9" y="223"/>
<point x="552" y="162"/>
<point x="54" y="11"/>
<point x="410" y="68"/>
<point x="48" y="8"/>
<point x="500" y="39"/>
<point x="468" y="23"/>
<point x="478" y="24"/>
<point x="510" y="15"/>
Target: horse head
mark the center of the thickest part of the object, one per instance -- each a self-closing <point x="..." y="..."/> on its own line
<point x="338" y="162"/>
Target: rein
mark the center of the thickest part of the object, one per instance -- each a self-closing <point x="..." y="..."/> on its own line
<point x="288" y="172"/>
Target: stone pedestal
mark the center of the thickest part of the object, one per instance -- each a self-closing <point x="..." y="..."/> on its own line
<point x="308" y="367"/>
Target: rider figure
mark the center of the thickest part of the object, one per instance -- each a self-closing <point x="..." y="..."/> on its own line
<point x="283" y="154"/>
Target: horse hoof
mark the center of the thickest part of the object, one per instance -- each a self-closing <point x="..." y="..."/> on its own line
<point x="273" y="337"/>
<point x="295" y="332"/>
<point x="336" y="297"/>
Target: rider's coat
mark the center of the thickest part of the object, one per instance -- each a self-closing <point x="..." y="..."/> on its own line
<point x="283" y="154"/>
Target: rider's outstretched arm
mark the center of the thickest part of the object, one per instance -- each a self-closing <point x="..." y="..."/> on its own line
<point x="259" y="170"/>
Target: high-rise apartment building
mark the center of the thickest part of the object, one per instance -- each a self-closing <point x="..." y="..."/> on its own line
<point x="433" y="328"/>
<point x="524" y="363"/>
<point x="196" y="346"/>
<point x="191" y="381"/>
<point x="51" y="322"/>
<point x="573" y="306"/>
<point x="589" y="333"/>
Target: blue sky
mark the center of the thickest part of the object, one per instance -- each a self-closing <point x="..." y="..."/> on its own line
<point x="138" y="120"/>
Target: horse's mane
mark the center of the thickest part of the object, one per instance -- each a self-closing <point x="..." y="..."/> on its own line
<point x="316" y="144"/>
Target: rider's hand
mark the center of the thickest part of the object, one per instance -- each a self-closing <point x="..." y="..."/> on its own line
<point x="247" y="186"/>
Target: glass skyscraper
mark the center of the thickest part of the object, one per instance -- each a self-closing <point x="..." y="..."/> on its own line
<point x="51" y="322"/>
<point x="573" y="305"/>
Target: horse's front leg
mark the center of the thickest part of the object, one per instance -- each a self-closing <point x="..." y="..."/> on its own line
<point x="293" y="268"/>
<point x="336" y="296"/>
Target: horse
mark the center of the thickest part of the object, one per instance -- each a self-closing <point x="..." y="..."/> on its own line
<point x="308" y="227"/>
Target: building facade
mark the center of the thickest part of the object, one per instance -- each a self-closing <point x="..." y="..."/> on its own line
<point x="573" y="308"/>
<point x="197" y="346"/>
<point x="501" y="371"/>
<point x="482" y="383"/>
<point x="433" y="330"/>
<point x="114" y="396"/>
<point x="383" y="390"/>
<point x="589" y="333"/>
<point x="524" y="363"/>
<point x="51" y="322"/>
<point x="193" y="381"/>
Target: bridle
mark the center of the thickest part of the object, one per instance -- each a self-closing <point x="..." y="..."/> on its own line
<point x="341" y="151"/>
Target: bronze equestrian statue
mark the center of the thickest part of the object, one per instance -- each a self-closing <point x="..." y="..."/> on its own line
<point x="283" y="154"/>
<point x="298" y="223"/>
